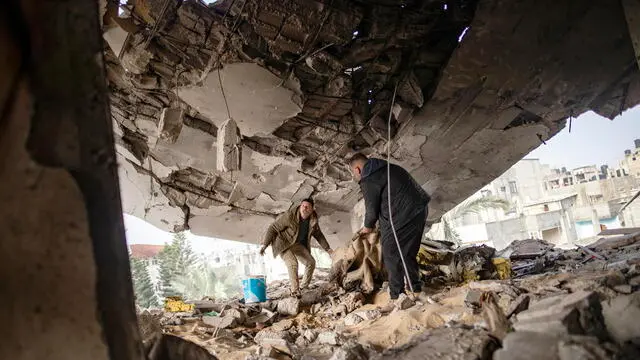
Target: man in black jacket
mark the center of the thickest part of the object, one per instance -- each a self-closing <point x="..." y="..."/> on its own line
<point x="408" y="212"/>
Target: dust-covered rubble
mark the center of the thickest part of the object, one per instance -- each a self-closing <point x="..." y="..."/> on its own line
<point x="569" y="305"/>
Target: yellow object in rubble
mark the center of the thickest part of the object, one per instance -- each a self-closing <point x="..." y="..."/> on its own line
<point x="176" y="304"/>
<point x="503" y="267"/>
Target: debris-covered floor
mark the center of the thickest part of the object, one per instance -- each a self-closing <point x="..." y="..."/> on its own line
<point x="553" y="304"/>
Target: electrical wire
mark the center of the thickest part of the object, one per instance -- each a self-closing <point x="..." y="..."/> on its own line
<point x="393" y="228"/>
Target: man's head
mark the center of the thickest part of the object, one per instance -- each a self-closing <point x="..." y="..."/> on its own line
<point x="356" y="164"/>
<point x="306" y="208"/>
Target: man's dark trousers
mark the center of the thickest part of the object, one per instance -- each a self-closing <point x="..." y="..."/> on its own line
<point x="409" y="237"/>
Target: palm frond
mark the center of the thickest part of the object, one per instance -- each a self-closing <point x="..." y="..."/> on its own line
<point x="476" y="205"/>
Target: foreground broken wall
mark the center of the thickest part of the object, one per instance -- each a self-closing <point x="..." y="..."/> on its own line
<point x="66" y="290"/>
<point x="309" y="83"/>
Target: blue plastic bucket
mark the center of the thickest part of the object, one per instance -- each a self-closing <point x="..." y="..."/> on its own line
<point x="255" y="289"/>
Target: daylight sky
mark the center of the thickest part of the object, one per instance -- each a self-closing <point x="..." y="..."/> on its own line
<point x="593" y="140"/>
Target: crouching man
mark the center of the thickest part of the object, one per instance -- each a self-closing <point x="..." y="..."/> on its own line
<point x="408" y="204"/>
<point x="290" y="237"/>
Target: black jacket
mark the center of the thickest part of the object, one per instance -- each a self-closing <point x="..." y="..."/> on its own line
<point x="408" y="199"/>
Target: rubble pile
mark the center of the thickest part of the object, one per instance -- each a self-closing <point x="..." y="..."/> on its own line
<point x="581" y="303"/>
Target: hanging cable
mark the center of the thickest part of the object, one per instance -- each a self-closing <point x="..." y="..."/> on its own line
<point x="393" y="228"/>
<point x="223" y="95"/>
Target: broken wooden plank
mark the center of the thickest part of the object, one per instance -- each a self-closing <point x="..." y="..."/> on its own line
<point x="620" y="231"/>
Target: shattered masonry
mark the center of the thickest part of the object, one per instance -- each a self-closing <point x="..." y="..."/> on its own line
<point x="310" y="82"/>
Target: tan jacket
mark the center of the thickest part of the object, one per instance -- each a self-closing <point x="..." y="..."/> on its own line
<point x="283" y="233"/>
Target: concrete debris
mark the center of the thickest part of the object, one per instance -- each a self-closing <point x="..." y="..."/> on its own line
<point x="289" y="306"/>
<point x="353" y="319"/>
<point x="229" y="147"/>
<point x="520" y="304"/>
<point x="574" y="314"/>
<point x="170" y="124"/>
<point x="454" y="343"/>
<point x="350" y="351"/>
<point x="523" y="345"/>
<point x="573" y="311"/>
<point x="329" y="338"/>
<point x="404" y="302"/>
<point x="223" y="322"/>
<point x="494" y="317"/>
<point x="621" y="316"/>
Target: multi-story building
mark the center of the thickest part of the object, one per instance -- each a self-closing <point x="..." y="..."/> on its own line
<point x="631" y="161"/>
<point x="557" y="205"/>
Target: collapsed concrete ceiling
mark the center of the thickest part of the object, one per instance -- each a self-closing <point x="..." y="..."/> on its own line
<point x="479" y="85"/>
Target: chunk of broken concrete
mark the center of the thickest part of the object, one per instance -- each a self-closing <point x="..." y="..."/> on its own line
<point x="473" y="298"/>
<point x="404" y="302"/>
<point x="269" y="334"/>
<point x="623" y="289"/>
<point x="579" y="313"/>
<point x="289" y="306"/>
<point x="311" y="297"/>
<point x="352" y="319"/>
<point x="223" y="322"/>
<point x="170" y="125"/>
<point x="520" y="304"/>
<point x="350" y="351"/>
<point x="329" y="338"/>
<point x="621" y="316"/>
<point x="446" y="343"/>
<point x="372" y="314"/>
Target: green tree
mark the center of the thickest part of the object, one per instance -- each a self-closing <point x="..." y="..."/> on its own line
<point x="142" y="285"/>
<point x="470" y="206"/>
<point x="175" y="260"/>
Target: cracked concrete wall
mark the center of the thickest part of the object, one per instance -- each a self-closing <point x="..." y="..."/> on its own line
<point x="309" y="84"/>
<point x="66" y="283"/>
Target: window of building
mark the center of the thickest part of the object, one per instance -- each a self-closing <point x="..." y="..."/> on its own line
<point x="513" y="188"/>
<point x="503" y="189"/>
<point x="545" y="207"/>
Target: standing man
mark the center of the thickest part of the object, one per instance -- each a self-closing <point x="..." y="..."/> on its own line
<point x="290" y="237"/>
<point x="409" y="210"/>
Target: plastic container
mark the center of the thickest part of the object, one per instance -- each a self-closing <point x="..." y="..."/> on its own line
<point x="255" y="289"/>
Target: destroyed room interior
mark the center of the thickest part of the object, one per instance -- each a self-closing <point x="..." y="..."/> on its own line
<point x="215" y="120"/>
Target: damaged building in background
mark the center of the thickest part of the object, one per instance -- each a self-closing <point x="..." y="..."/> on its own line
<point x="309" y="83"/>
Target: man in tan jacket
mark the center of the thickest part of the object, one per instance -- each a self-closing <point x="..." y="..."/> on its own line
<point x="290" y="237"/>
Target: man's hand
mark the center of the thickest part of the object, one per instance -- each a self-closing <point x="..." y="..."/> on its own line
<point x="330" y="252"/>
<point x="365" y="230"/>
<point x="262" y="249"/>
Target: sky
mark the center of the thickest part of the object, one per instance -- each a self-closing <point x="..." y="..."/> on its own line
<point x="593" y="140"/>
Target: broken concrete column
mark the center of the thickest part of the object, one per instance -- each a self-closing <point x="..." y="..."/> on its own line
<point x="170" y="124"/>
<point x="229" y="147"/>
